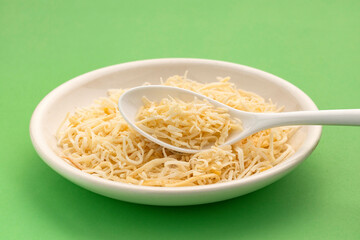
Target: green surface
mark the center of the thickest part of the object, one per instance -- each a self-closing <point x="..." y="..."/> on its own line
<point x="313" y="44"/>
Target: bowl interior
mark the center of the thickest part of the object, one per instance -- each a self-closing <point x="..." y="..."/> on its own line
<point x="82" y="90"/>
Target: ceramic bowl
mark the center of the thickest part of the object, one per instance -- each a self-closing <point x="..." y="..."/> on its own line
<point x="82" y="90"/>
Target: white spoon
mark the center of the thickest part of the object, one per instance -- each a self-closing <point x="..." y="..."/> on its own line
<point x="131" y="101"/>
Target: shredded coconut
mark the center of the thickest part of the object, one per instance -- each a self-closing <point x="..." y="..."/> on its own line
<point x="98" y="141"/>
<point x="192" y="124"/>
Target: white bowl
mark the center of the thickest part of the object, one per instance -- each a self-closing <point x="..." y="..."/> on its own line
<point x="82" y="90"/>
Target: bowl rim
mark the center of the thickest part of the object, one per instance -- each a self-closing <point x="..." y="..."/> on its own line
<point x="62" y="167"/>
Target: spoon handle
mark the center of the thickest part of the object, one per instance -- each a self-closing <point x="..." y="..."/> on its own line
<point x="349" y="117"/>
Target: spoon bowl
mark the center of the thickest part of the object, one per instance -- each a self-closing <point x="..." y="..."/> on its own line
<point x="131" y="101"/>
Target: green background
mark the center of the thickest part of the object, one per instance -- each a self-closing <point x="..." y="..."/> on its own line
<point x="313" y="44"/>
